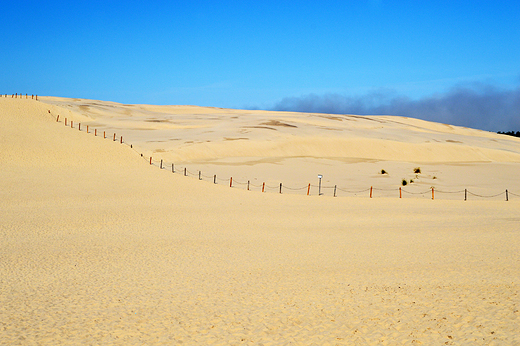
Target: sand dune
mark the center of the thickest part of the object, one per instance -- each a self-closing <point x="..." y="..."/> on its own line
<point x="99" y="247"/>
<point x="349" y="151"/>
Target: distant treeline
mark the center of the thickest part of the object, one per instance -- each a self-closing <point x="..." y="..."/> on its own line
<point x="510" y="133"/>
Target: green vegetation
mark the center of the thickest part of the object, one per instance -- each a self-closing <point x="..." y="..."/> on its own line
<point x="510" y="133"/>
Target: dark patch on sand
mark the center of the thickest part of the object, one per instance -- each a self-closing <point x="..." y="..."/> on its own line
<point x="277" y="123"/>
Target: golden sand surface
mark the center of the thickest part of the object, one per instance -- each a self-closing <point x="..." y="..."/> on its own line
<point x="99" y="247"/>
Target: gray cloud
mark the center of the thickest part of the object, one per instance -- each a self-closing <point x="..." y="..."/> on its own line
<point x="479" y="106"/>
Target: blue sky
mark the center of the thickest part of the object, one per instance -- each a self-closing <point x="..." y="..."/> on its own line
<point x="245" y="54"/>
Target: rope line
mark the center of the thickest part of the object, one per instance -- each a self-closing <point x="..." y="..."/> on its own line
<point x="440" y="191"/>
<point x="350" y="191"/>
<point x="417" y="193"/>
<point x="474" y="194"/>
<point x="295" y="188"/>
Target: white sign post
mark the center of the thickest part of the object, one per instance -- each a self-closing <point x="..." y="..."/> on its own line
<point x="319" y="186"/>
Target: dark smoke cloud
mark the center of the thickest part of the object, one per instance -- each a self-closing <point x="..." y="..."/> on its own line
<point x="481" y="106"/>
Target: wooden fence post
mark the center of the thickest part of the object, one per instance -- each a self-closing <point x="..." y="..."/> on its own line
<point x="173" y="169"/>
<point x="231" y="182"/>
<point x="308" y="189"/>
<point x="104" y="134"/>
<point x="95" y="132"/>
<point x="58" y="118"/>
<point x="280" y="187"/>
<point x="185" y="172"/>
<point x="370" y="191"/>
<point x="114" y="137"/>
<point x="507" y="196"/>
<point x="71" y="124"/>
<point x="200" y="175"/>
<point x="214" y="179"/>
<point x="150" y="160"/>
<point x="400" y="193"/>
<point x="161" y="163"/>
<point x="335" y="190"/>
<point x="79" y="126"/>
<point x="65" y="121"/>
<point x="263" y="187"/>
<point x="465" y="194"/>
<point x="87" y="128"/>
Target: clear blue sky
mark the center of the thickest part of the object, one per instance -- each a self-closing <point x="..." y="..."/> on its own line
<point x="256" y="53"/>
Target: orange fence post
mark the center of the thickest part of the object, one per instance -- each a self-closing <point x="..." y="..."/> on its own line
<point x="71" y="124"/>
<point x="432" y="193"/>
<point x="231" y="182"/>
<point x="65" y="121"/>
<point x="370" y="191"/>
<point x="114" y="137"/>
<point x="263" y="187"/>
<point x="79" y="126"/>
<point x="400" y="194"/>
<point x="150" y="160"/>
<point x="87" y="128"/>
<point x="58" y="118"/>
<point x="104" y="134"/>
<point x="95" y="132"/>
<point x="121" y="139"/>
<point x="309" y="189"/>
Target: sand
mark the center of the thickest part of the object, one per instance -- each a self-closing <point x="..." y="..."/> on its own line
<point x="99" y="247"/>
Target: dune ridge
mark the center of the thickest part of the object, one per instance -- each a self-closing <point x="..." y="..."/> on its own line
<point x="98" y="247"/>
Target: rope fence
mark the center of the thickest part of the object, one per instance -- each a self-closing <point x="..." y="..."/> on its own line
<point x="370" y="192"/>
